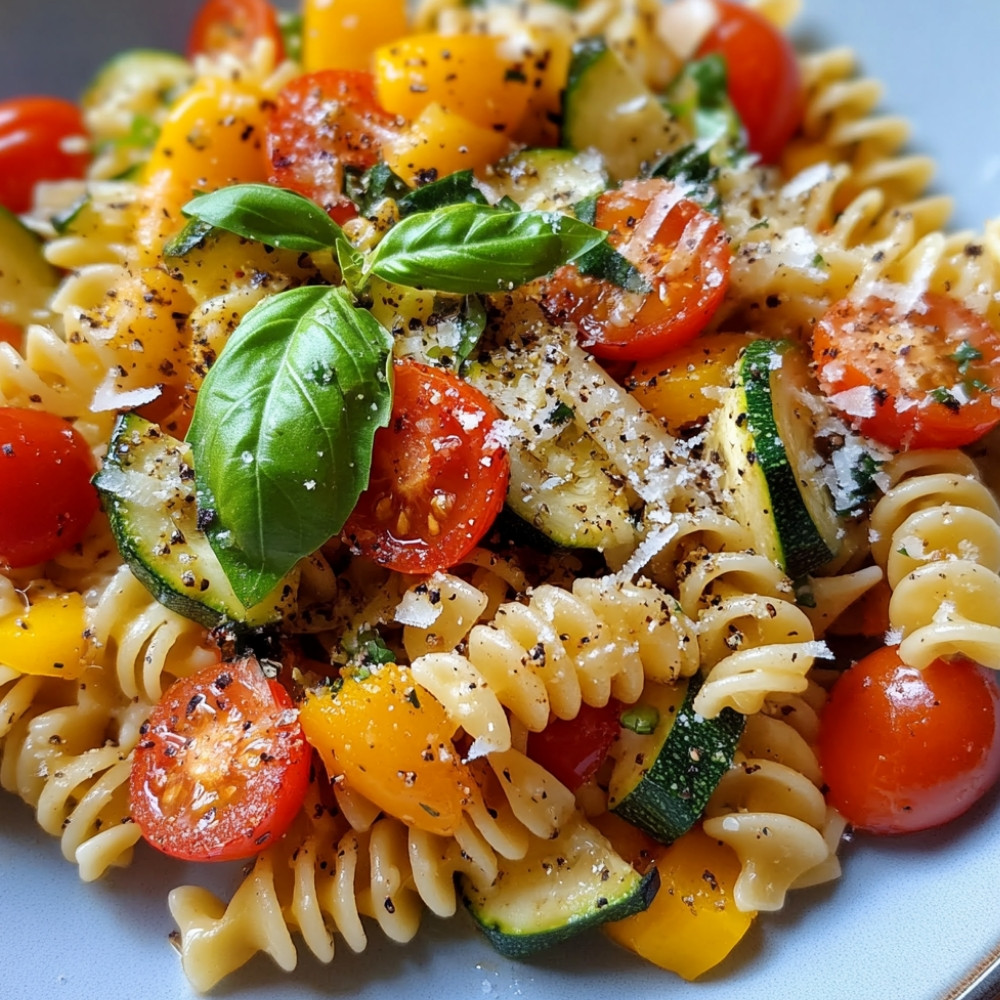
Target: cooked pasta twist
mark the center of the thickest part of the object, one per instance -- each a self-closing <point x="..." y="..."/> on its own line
<point x="769" y="807"/>
<point x="937" y="533"/>
<point x="559" y="649"/>
<point x="143" y="643"/>
<point x="319" y="881"/>
<point x="71" y="761"/>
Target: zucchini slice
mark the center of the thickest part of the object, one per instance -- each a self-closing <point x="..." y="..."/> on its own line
<point x="559" y="888"/>
<point x="607" y="107"/>
<point x="764" y="436"/>
<point x="27" y="279"/>
<point x="147" y="486"/>
<point x="662" y="779"/>
<point x="548" y="180"/>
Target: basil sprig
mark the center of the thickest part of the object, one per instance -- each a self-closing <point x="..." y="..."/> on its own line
<point x="283" y="429"/>
<point x="466" y="247"/>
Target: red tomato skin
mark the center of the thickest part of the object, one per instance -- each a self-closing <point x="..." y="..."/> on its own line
<point x="573" y="749"/>
<point x="225" y="727"/>
<point x="904" y="750"/>
<point x="764" y="80"/>
<point x="323" y="122"/>
<point x="650" y="223"/>
<point x="438" y="458"/>
<point x="46" y="498"/>
<point x="41" y="139"/>
<point x="864" y="344"/>
<point x="234" y="26"/>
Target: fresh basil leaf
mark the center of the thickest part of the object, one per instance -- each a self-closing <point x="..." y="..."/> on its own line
<point x="352" y="265"/>
<point x="283" y="429"/>
<point x="470" y="248"/>
<point x="586" y="209"/>
<point x="271" y="215"/>
<point x="508" y="204"/>
<point x="191" y="236"/>
<point x="457" y="187"/>
<point x="606" y="263"/>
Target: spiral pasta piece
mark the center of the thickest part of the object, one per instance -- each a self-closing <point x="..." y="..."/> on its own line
<point x="319" y="882"/>
<point x="770" y="809"/>
<point x="937" y="532"/>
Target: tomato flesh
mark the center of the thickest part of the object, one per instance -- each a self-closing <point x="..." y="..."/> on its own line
<point x="573" y="749"/>
<point x="439" y="474"/>
<point x="222" y="766"/>
<point x="46" y="498"/>
<point x="323" y="123"/>
<point x="680" y="249"/>
<point x="903" y="749"/>
<point x="763" y="78"/>
<point x="234" y="26"/>
<point x="911" y="375"/>
<point x="41" y="139"/>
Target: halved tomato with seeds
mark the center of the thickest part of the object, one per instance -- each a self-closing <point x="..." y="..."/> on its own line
<point x="439" y="474"/>
<point x="222" y="766"/>
<point x="911" y="374"/>
<point x="679" y="248"/>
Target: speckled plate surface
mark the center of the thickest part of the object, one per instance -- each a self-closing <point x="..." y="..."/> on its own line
<point x="912" y="919"/>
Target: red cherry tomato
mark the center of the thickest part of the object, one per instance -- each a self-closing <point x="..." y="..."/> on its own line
<point x="322" y="123"/>
<point x="680" y="249"/>
<point x="439" y="474"/>
<point x="923" y="375"/>
<point x="234" y="26"/>
<point x="764" y="82"/>
<point x="574" y="749"/>
<point x="46" y="497"/>
<point x="41" y="139"/>
<point x="222" y="766"/>
<point x="904" y="749"/>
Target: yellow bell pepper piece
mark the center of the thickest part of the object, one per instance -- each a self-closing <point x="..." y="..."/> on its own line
<point x="213" y="137"/>
<point x="438" y="143"/>
<point x="692" y="923"/>
<point x="343" y="34"/>
<point x="473" y="76"/>
<point x="46" y="639"/>
<point x="390" y="739"/>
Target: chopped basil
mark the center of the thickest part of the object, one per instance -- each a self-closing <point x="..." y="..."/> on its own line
<point x="640" y="719"/>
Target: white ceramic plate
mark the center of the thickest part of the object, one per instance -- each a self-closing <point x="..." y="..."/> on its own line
<point x="913" y="919"/>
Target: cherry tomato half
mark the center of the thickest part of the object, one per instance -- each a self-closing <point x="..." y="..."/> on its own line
<point x="574" y="749"/>
<point x="46" y="497"/>
<point x="923" y="375"/>
<point x="322" y="123"/>
<point x="439" y="474"/>
<point x="680" y="249"/>
<point x="41" y="139"/>
<point x="222" y="766"/>
<point x="234" y="26"/>
<point x="904" y="749"/>
<point x="763" y="78"/>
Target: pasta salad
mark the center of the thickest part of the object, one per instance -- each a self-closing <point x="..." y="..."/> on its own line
<point x="517" y="460"/>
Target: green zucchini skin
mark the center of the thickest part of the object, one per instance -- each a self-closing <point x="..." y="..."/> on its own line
<point x="764" y="437"/>
<point x="148" y="492"/>
<point x="560" y="888"/>
<point x="663" y="780"/>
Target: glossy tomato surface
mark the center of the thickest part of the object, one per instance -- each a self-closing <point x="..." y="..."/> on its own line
<point x="324" y="122"/>
<point x="234" y="26"/>
<point x="46" y="497"/>
<point x="41" y="139"/>
<point x="903" y="749"/>
<point x="763" y="77"/>
<point x="222" y="766"/>
<point x="439" y="474"/>
<point x="574" y="749"/>
<point x="921" y="374"/>
<point x="680" y="250"/>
